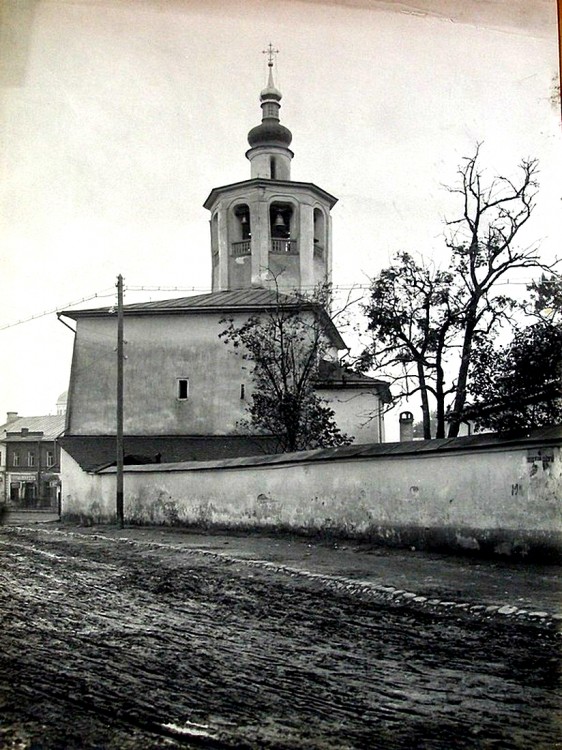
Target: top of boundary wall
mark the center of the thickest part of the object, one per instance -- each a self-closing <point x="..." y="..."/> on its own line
<point x="547" y="436"/>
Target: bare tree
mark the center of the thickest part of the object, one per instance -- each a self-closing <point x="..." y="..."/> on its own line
<point x="483" y="252"/>
<point x="433" y="320"/>
<point x="411" y="316"/>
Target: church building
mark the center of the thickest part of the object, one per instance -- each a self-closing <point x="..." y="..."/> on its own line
<point x="185" y="391"/>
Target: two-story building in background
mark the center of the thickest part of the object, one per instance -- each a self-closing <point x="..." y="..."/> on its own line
<point x="30" y="461"/>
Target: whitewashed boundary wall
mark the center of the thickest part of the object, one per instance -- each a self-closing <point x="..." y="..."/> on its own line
<point x="502" y="498"/>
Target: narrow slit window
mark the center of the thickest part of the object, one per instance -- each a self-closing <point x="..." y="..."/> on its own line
<point x="183" y="389"/>
<point x="242" y="391"/>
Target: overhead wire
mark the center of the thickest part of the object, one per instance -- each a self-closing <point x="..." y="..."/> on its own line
<point x="97" y="295"/>
<point x="106" y="294"/>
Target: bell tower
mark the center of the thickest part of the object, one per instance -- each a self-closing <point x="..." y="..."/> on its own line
<point x="269" y="230"/>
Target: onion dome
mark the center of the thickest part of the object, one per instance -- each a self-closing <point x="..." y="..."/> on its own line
<point x="270" y="133"/>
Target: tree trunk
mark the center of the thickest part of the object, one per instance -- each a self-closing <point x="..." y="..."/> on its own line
<point x="440" y="408"/>
<point x="426" y="419"/>
<point x="460" y="395"/>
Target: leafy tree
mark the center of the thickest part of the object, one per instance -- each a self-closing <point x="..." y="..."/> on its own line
<point x="518" y="386"/>
<point x="285" y="346"/>
<point x="545" y="299"/>
<point x="426" y="323"/>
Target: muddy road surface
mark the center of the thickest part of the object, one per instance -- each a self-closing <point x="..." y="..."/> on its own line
<point x="113" y="643"/>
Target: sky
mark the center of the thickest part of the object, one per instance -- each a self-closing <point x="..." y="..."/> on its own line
<point x="118" y="117"/>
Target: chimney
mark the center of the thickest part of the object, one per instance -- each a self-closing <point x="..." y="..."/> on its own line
<point x="406" y="426"/>
<point x="11" y="416"/>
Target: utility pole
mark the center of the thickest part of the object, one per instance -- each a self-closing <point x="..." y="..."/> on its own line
<point x="119" y="446"/>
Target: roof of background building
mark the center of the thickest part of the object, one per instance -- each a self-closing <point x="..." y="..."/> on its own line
<point x="51" y="426"/>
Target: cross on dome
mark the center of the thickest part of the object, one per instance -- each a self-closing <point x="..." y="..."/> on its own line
<point x="270" y="52"/>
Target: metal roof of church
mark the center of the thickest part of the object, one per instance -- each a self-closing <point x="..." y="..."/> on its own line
<point x="237" y="299"/>
<point x="240" y="300"/>
<point x="335" y="375"/>
<point x="260" y="182"/>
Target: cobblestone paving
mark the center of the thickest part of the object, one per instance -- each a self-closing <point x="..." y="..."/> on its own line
<point x="126" y="643"/>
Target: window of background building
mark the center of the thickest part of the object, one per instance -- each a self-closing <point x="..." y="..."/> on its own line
<point x="16" y="459"/>
<point x="50" y="459"/>
<point x="30" y="458"/>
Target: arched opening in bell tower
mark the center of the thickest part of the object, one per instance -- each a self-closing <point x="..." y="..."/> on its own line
<point x="281" y="224"/>
<point x="319" y="233"/>
<point x="241" y="230"/>
<point x="240" y="241"/>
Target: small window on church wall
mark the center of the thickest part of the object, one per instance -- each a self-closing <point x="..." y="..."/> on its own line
<point x="183" y="389"/>
<point x="273" y="168"/>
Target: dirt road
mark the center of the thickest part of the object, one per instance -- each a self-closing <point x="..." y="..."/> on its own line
<point x="113" y="643"/>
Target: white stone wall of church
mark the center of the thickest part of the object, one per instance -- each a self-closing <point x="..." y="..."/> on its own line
<point x="159" y="349"/>
<point x="356" y="414"/>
